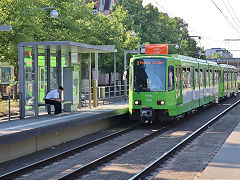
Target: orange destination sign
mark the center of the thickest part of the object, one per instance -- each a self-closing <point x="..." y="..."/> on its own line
<point x="156" y="49"/>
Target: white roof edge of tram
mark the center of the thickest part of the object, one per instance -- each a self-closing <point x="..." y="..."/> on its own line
<point x="69" y="46"/>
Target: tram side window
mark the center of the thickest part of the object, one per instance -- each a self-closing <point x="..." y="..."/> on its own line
<point x="228" y="77"/>
<point x="170" y="78"/>
<point x="207" y="78"/>
<point x="188" y="78"/>
<point x="178" y="78"/>
<point x="204" y="78"/>
<point x="216" y="77"/>
<point x="220" y="76"/>
<point x="196" y="79"/>
<point x="130" y="77"/>
<point x="225" y="79"/>
<point x="201" y="78"/>
<point x="184" y="78"/>
<point x="235" y="78"/>
<point x="211" y="78"/>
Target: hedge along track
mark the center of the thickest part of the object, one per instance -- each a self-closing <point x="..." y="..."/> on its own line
<point x="65" y="154"/>
<point x="155" y="164"/>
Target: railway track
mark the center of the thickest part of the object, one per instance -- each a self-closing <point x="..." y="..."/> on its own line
<point x="155" y="164"/>
<point x="98" y="162"/>
<point x="141" y="160"/>
<point x="74" y="172"/>
<point x="58" y="157"/>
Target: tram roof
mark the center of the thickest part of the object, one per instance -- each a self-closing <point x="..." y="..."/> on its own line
<point x="69" y="46"/>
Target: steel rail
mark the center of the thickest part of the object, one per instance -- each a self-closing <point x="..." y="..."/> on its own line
<point x="155" y="164"/>
<point x="54" y="158"/>
<point x="96" y="163"/>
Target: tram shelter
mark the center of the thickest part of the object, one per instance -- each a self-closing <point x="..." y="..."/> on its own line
<point x="43" y="66"/>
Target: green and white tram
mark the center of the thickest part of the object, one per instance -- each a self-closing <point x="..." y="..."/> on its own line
<point x="166" y="86"/>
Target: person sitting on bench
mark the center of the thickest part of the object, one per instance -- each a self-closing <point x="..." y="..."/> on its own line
<point x="53" y="98"/>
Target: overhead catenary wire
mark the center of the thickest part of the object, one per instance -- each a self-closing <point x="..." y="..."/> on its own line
<point x="238" y="32"/>
<point x="233" y="12"/>
<point x="201" y="34"/>
<point x="230" y="14"/>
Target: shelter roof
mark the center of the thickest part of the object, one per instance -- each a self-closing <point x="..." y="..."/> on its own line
<point x="69" y="46"/>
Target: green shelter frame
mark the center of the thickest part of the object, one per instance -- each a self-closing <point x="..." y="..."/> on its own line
<point x="45" y="65"/>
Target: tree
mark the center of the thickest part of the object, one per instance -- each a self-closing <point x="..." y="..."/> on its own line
<point x="155" y="27"/>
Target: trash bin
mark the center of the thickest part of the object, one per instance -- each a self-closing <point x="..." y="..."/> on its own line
<point x="101" y="92"/>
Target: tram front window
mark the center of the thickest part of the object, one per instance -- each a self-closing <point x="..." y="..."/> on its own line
<point x="149" y="75"/>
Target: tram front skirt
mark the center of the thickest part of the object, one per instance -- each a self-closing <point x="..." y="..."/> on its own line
<point x="146" y="114"/>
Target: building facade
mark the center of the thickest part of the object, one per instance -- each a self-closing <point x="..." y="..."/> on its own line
<point x="217" y="53"/>
<point x="104" y="6"/>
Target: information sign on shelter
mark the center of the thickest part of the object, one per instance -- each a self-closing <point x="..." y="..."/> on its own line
<point x="156" y="49"/>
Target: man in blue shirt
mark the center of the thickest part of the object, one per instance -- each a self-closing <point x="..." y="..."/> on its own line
<point x="53" y="98"/>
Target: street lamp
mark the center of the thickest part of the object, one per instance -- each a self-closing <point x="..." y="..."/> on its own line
<point x="133" y="34"/>
<point x="53" y="13"/>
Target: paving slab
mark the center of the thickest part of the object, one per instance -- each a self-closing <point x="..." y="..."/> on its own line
<point x="25" y="128"/>
<point x="226" y="163"/>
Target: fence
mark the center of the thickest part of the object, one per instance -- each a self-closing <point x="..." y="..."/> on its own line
<point x="9" y="106"/>
<point x="105" y="95"/>
<point x="9" y="103"/>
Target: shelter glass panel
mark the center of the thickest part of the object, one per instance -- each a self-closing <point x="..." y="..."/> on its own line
<point x="85" y="80"/>
<point x="75" y="61"/>
<point x="42" y="79"/>
<point x="53" y="70"/>
<point x="29" y="95"/>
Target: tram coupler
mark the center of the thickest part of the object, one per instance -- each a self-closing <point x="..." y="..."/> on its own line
<point x="146" y="115"/>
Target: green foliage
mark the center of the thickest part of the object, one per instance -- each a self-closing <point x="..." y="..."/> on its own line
<point x="155" y="27"/>
<point x="76" y="22"/>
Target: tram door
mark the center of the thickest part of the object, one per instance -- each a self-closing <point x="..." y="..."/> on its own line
<point x="178" y="84"/>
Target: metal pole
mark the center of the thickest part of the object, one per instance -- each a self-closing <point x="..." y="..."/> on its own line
<point x="125" y="81"/>
<point x="21" y="82"/>
<point x="80" y="80"/>
<point x="36" y="80"/>
<point x="59" y="67"/>
<point x="115" y="77"/>
<point x="96" y="77"/>
<point x="48" y="76"/>
<point x="90" y="81"/>
<point x="9" y="107"/>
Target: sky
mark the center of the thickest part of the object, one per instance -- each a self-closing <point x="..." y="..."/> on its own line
<point x="205" y="19"/>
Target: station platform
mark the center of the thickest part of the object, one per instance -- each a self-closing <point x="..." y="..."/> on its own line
<point x="24" y="136"/>
<point x="226" y="163"/>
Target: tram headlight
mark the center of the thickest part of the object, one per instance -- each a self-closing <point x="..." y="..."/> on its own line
<point x="138" y="102"/>
<point x="160" y="102"/>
